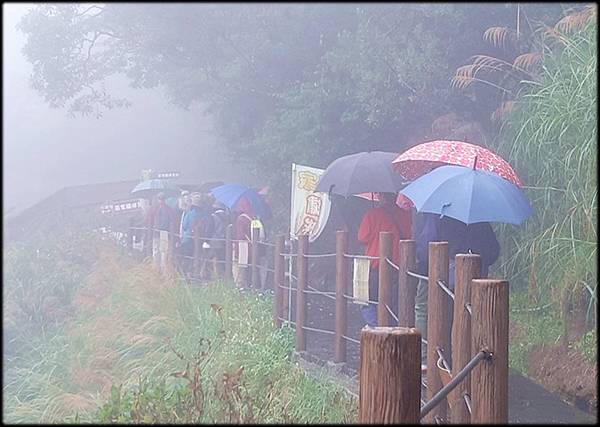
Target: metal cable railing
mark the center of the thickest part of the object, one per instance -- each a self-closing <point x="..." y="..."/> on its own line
<point x="351" y="298"/>
<point x="361" y="256"/>
<point x="442" y="285"/>
<point x="392" y="264"/>
<point x="418" y="276"/>
<point x="391" y="312"/>
<point x="324" y="331"/>
<point x="351" y="339"/>
<point x="444" y="391"/>
<point x="467" y="400"/>
<point x="318" y="255"/>
<point x="441" y="359"/>
<point x="319" y="292"/>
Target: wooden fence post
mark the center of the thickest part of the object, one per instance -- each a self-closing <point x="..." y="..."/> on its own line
<point x="171" y="252"/>
<point x="228" y="252"/>
<point x="407" y="285"/>
<point x="384" y="290"/>
<point x="287" y="295"/>
<point x="130" y="238"/>
<point x="302" y="267"/>
<point x="438" y="323"/>
<point x="197" y="261"/>
<point x="278" y="279"/>
<point x="489" y="329"/>
<point x="468" y="267"/>
<point x="341" y="304"/>
<point x="148" y="243"/>
<point x="254" y="262"/>
<point x="390" y="376"/>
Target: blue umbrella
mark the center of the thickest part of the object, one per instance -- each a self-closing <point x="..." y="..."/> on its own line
<point x="230" y="194"/>
<point x="468" y="195"/>
<point x="151" y="187"/>
<point x="364" y="172"/>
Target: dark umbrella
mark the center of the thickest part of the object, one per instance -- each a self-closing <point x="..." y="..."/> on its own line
<point x="468" y="195"/>
<point x="230" y="195"/>
<point x="151" y="187"/>
<point x="361" y="173"/>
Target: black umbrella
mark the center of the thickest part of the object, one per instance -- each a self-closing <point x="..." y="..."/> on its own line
<point x="361" y="173"/>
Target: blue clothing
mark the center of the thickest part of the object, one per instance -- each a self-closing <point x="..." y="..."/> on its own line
<point x="189" y="220"/>
<point x="479" y="238"/>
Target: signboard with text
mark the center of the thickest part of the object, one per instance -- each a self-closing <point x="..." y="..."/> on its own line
<point x="121" y="206"/>
<point x="310" y="210"/>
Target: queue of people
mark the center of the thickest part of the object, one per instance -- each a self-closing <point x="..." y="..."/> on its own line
<point x="198" y="219"/>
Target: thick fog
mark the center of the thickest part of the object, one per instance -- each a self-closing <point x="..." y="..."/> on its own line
<point x="45" y="149"/>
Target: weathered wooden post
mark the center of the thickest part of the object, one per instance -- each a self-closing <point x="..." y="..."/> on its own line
<point x="438" y="323"/>
<point x="407" y="285"/>
<point x="385" y="251"/>
<point x="156" y="248"/>
<point x="278" y="280"/>
<point x="130" y="234"/>
<point x="148" y="242"/>
<point x="228" y="252"/>
<point x="173" y="237"/>
<point x="254" y="261"/>
<point x="197" y="260"/>
<point x="489" y="330"/>
<point x="341" y="304"/>
<point x="302" y="267"/>
<point x="287" y="296"/>
<point x="390" y="375"/>
<point x="468" y="267"/>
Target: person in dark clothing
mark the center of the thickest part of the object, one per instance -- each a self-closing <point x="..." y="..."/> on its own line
<point x="161" y="216"/>
<point x="478" y="238"/>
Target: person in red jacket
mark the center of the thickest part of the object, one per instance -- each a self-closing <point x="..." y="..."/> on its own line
<point x="387" y="216"/>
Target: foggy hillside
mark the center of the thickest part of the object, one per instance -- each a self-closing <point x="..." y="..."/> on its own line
<point x="45" y="149"/>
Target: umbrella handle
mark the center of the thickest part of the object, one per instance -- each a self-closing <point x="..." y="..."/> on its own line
<point x="475" y="162"/>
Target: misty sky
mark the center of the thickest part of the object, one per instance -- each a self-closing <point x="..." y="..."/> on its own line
<point x="45" y="149"/>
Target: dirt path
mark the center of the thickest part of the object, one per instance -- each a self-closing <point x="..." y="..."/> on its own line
<point x="529" y="402"/>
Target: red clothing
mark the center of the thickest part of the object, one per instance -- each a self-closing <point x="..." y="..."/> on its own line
<point x="384" y="218"/>
<point x="242" y="227"/>
<point x="169" y="213"/>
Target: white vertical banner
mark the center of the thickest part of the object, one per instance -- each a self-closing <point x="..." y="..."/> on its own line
<point x="310" y="210"/>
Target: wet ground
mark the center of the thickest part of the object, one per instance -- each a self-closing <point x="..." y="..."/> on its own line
<point x="529" y="403"/>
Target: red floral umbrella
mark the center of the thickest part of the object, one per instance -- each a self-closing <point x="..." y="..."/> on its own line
<point x="427" y="156"/>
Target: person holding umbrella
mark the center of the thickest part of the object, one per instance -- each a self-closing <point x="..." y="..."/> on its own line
<point x="387" y="216"/>
<point x="457" y="205"/>
<point x="478" y="238"/>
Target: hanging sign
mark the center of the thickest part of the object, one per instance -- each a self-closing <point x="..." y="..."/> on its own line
<point x="310" y="210"/>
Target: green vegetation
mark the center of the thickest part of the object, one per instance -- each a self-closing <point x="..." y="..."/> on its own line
<point x="136" y="347"/>
<point x="551" y="139"/>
